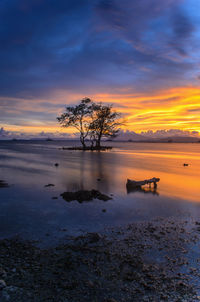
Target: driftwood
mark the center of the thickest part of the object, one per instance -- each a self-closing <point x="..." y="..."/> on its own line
<point x="138" y="184"/>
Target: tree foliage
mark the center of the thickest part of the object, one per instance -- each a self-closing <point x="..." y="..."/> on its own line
<point x="78" y="117"/>
<point x="104" y="122"/>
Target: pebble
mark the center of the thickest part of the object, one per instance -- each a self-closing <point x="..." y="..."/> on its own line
<point x="2" y="284"/>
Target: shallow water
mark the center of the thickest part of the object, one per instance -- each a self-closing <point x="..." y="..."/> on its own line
<point x="27" y="208"/>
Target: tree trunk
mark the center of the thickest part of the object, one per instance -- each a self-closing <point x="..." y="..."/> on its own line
<point x="98" y="142"/>
<point x="82" y="141"/>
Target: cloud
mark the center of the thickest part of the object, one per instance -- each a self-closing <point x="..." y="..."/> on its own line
<point x="48" y="45"/>
<point x="90" y="48"/>
<point x="8" y="135"/>
<point x="169" y="133"/>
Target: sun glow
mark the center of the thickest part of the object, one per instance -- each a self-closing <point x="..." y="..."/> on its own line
<point x="177" y="108"/>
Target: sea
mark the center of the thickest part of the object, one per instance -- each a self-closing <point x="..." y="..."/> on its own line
<point x="31" y="210"/>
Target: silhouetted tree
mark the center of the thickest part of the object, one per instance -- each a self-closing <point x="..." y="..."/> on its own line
<point x="105" y="123"/>
<point x="79" y="117"/>
<point x="91" y="119"/>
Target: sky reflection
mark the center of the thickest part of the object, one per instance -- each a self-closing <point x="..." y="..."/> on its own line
<point x="27" y="207"/>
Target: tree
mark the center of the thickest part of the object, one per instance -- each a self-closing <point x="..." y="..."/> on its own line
<point x="79" y="117"/>
<point x="105" y="123"/>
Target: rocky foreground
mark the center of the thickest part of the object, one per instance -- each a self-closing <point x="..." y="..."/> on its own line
<point x="157" y="261"/>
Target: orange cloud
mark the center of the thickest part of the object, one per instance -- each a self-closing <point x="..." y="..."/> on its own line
<point x="176" y="108"/>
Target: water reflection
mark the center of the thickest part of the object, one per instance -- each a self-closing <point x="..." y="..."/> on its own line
<point x="145" y="190"/>
<point x="27" y="207"/>
<point x="86" y="171"/>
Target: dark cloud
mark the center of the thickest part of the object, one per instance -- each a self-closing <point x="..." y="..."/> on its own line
<point x="182" y="32"/>
<point x="48" y="44"/>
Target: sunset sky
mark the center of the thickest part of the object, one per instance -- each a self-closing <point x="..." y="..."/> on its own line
<point x="143" y="56"/>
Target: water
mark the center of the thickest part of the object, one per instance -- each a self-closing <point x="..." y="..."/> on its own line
<point x="28" y="210"/>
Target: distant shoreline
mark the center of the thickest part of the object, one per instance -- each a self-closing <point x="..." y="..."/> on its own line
<point x="156" y="141"/>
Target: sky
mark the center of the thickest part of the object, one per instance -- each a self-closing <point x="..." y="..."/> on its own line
<point x="140" y="55"/>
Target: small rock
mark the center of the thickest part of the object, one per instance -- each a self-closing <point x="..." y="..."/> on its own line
<point x="104" y="210"/>
<point x="56" y="164"/>
<point x="94" y="237"/>
<point x="50" y="185"/>
<point x="90" y="283"/>
<point x="2" y="284"/>
<point x="3" y="273"/>
<point x="5" y="295"/>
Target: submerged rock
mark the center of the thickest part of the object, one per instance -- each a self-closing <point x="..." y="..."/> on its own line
<point x="94" y="237"/>
<point x="3" y="184"/>
<point x="84" y="195"/>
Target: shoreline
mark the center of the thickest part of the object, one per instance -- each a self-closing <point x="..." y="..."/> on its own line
<point x="150" y="261"/>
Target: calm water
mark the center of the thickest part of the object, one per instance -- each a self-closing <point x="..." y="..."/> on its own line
<point x="27" y="208"/>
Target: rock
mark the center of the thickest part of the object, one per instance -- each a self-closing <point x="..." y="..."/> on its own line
<point x="2" y="284"/>
<point x="56" y="165"/>
<point x="54" y="197"/>
<point x="3" y="273"/>
<point x="84" y="195"/>
<point x="3" y="184"/>
<point x="12" y="289"/>
<point x="8" y="292"/>
<point x="185" y="165"/>
<point x="94" y="237"/>
<point x="90" y="284"/>
<point x="5" y="295"/>
<point x="104" y="210"/>
<point x="98" y="179"/>
<point x="50" y="185"/>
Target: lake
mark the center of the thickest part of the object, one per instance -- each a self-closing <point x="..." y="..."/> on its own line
<point x="27" y="207"/>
